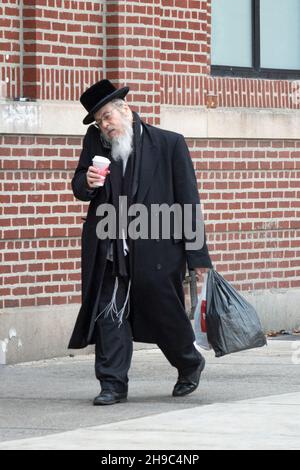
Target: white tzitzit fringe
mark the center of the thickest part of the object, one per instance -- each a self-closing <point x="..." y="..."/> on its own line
<point x="112" y="309"/>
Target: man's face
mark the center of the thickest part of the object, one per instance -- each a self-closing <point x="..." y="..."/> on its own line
<point x="111" y="121"/>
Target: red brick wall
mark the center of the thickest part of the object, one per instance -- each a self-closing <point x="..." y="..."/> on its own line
<point x="161" y="49"/>
<point x="63" y="44"/>
<point x="40" y="221"/>
<point x="62" y="47"/>
<point x="250" y="192"/>
<point x="184" y="60"/>
<point x="9" y="49"/>
<point x="133" y="52"/>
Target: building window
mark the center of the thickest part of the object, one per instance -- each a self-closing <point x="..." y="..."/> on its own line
<point x="256" y="38"/>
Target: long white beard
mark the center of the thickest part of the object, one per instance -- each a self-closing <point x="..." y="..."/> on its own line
<point x="121" y="146"/>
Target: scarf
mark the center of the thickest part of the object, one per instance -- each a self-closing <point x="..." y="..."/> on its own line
<point x="123" y="185"/>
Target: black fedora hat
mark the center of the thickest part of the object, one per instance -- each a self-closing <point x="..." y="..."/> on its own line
<point x="98" y="95"/>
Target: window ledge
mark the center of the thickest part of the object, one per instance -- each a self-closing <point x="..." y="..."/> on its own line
<point x="231" y="123"/>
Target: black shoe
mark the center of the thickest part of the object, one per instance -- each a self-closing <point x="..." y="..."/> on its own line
<point x="187" y="384"/>
<point x="107" y="397"/>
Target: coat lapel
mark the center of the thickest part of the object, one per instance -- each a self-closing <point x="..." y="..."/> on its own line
<point x="147" y="160"/>
<point x="115" y="169"/>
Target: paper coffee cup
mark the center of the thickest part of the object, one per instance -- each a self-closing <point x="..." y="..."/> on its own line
<point x="101" y="163"/>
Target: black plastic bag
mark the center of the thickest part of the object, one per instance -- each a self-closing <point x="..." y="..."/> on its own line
<point x="232" y="323"/>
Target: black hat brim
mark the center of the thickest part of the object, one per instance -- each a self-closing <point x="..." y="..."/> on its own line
<point x="121" y="93"/>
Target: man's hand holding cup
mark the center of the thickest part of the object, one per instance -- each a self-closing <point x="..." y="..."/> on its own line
<point x="97" y="173"/>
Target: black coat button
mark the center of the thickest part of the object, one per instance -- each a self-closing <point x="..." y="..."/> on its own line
<point x="158" y="266"/>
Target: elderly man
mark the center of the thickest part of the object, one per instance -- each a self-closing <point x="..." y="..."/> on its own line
<point x="132" y="287"/>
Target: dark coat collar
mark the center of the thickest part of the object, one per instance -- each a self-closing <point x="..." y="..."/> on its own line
<point x="146" y="160"/>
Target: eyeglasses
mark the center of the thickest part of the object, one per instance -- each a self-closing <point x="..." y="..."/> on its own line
<point x="106" y="117"/>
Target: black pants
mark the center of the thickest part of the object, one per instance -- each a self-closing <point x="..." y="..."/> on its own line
<point x="113" y="351"/>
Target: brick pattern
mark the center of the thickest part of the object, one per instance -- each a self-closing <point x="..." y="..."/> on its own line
<point x="184" y="63"/>
<point x="9" y="49"/>
<point x="40" y="221"/>
<point x="229" y="92"/>
<point x="133" y="52"/>
<point x="250" y="192"/>
<point x="160" y="48"/>
<point x="253" y="93"/>
<point x="63" y="47"/>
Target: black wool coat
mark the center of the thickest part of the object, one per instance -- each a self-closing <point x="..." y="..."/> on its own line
<point x="157" y="266"/>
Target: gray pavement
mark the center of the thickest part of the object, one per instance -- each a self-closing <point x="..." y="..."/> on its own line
<point x="245" y="400"/>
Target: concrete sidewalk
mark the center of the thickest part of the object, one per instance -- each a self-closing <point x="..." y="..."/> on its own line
<point x="249" y="400"/>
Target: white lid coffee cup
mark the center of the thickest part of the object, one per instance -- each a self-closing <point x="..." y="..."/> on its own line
<point x="101" y="163"/>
